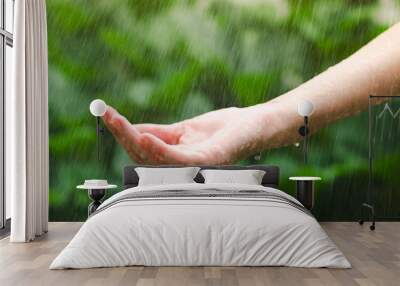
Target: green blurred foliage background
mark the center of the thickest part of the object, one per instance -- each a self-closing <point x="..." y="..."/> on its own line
<point x="166" y="60"/>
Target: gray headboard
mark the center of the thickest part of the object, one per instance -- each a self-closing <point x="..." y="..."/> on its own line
<point x="271" y="177"/>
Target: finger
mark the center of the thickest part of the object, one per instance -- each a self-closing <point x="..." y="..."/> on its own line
<point x="107" y="117"/>
<point x="122" y="130"/>
<point x="129" y="137"/>
<point x="130" y="151"/>
<point x="170" y="134"/>
<point x="110" y="120"/>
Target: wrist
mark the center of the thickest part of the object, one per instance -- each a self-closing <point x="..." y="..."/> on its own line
<point x="278" y="124"/>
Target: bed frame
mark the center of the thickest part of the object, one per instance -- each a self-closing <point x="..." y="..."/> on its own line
<point x="270" y="179"/>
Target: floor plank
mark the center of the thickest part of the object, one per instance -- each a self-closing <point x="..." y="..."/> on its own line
<point x="375" y="257"/>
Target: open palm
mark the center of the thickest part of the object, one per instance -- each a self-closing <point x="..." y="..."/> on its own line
<point x="217" y="137"/>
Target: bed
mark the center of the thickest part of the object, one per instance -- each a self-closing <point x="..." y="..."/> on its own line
<point x="201" y="224"/>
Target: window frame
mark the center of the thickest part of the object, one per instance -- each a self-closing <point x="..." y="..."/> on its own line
<point x="6" y="39"/>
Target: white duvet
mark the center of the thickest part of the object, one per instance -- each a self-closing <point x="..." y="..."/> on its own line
<point x="200" y="231"/>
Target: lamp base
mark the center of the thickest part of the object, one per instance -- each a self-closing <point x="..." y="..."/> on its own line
<point x="303" y="131"/>
<point x="96" y="195"/>
<point x="372" y="215"/>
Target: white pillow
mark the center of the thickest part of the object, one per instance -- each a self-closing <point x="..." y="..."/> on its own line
<point x="163" y="176"/>
<point x="248" y="177"/>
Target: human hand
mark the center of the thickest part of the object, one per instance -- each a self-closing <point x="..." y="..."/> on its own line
<point x="216" y="137"/>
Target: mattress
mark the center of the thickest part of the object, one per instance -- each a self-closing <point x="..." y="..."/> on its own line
<point x="201" y="225"/>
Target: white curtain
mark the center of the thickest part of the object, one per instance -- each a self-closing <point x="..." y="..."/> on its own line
<point x="27" y="124"/>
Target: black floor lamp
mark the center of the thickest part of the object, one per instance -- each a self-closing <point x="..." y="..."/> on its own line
<point x="96" y="188"/>
<point x="98" y="108"/>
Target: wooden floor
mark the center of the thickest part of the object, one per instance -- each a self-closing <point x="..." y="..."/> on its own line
<point x="375" y="257"/>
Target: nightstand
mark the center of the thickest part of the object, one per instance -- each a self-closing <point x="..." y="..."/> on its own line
<point x="96" y="190"/>
<point x="305" y="190"/>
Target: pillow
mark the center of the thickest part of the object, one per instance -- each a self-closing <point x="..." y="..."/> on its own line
<point x="162" y="176"/>
<point x="248" y="177"/>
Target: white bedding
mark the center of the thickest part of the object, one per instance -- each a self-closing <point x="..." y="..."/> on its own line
<point x="185" y="231"/>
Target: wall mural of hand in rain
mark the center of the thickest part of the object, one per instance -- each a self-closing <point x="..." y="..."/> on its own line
<point x="184" y="64"/>
<point x="226" y="135"/>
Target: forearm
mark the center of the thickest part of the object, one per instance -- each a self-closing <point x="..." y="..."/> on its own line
<point x="340" y="91"/>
